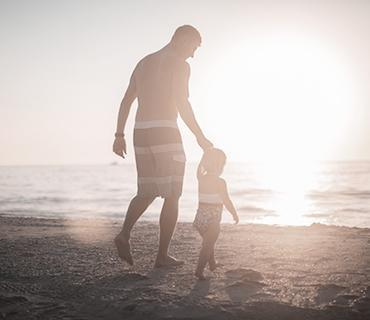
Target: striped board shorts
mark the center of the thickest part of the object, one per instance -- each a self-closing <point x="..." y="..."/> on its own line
<point x="160" y="158"/>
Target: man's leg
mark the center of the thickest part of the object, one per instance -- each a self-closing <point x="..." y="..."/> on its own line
<point x="137" y="207"/>
<point x="167" y="224"/>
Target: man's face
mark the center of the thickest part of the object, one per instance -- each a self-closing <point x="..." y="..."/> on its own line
<point x="189" y="47"/>
<point x="193" y="46"/>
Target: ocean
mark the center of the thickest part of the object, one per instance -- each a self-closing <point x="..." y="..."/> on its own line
<point x="335" y="193"/>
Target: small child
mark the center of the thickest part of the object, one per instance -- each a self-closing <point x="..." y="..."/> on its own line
<point x="213" y="195"/>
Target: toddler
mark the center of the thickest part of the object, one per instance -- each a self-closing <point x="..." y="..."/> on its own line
<point x="213" y="195"/>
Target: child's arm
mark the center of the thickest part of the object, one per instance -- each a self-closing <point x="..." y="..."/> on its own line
<point x="227" y="201"/>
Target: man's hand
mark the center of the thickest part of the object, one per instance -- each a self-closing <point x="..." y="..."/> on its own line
<point x="119" y="147"/>
<point x="204" y="143"/>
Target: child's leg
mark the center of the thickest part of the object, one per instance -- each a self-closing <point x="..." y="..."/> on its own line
<point x="209" y="240"/>
<point x="212" y="260"/>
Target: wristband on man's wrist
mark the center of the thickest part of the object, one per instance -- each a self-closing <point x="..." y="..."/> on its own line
<point x="119" y="135"/>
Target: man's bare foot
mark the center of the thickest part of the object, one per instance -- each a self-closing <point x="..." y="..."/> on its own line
<point x="213" y="265"/>
<point x="200" y="275"/>
<point x="123" y="248"/>
<point x="167" y="262"/>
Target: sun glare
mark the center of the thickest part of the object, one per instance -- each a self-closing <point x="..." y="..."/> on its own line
<point x="291" y="182"/>
<point x="288" y="100"/>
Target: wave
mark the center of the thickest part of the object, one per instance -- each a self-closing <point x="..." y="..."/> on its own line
<point x="46" y="199"/>
<point x="356" y="193"/>
<point x="316" y="215"/>
<point x="253" y="191"/>
<point x="356" y="210"/>
<point x="362" y="194"/>
<point x="252" y="210"/>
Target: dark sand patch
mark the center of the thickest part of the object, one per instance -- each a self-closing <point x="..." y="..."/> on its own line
<point x="63" y="269"/>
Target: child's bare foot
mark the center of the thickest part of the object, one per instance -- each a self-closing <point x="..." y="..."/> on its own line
<point x="123" y="248"/>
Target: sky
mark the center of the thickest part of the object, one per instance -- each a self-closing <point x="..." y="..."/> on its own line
<point x="272" y="79"/>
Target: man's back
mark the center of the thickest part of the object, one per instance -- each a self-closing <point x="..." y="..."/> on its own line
<point x="160" y="78"/>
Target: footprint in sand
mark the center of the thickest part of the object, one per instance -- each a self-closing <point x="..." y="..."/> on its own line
<point x="327" y="293"/>
<point x="123" y="278"/>
<point x="344" y="299"/>
<point x="244" y="274"/>
<point x="9" y="300"/>
<point x="247" y="284"/>
<point x="134" y="277"/>
<point x="362" y="305"/>
<point x="366" y="292"/>
<point x="242" y="290"/>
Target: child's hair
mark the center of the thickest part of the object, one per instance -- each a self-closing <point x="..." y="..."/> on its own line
<point x="212" y="162"/>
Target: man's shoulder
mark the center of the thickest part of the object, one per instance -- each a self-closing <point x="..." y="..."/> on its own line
<point x="182" y="67"/>
<point x="145" y="59"/>
<point x="143" y="63"/>
<point x="170" y="61"/>
<point x="173" y="59"/>
<point x="183" y="64"/>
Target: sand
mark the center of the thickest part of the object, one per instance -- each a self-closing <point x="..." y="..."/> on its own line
<point x="69" y="269"/>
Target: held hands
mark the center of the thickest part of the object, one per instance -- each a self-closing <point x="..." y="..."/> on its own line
<point x="119" y="146"/>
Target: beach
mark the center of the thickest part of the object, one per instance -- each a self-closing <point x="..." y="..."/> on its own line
<point x="69" y="269"/>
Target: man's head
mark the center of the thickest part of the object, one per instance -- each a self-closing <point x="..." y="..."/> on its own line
<point x="186" y="40"/>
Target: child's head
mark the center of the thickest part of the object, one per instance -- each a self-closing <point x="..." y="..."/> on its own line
<point x="213" y="161"/>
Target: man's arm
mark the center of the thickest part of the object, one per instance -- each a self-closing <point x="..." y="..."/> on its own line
<point x="119" y="145"/>
<point x="187" y="115"/>
<point x="185" y="109"/>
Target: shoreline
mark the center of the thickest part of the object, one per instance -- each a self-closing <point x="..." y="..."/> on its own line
<point x="55" y="268"/>
<point x="153" y="221"/>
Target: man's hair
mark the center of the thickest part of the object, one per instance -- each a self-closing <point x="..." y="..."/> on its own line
<point x="186" y="31"/>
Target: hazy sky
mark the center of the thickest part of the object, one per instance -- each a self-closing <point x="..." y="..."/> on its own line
<point x="272" y="78"/>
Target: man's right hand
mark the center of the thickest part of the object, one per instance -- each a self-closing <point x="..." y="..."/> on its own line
<point x="119" y="147"/>
<point x="204" y="143"/>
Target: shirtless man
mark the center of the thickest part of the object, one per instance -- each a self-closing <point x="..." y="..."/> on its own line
<point x="160" y="82"/>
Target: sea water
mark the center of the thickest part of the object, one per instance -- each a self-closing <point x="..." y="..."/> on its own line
<point x="282" y="193"/>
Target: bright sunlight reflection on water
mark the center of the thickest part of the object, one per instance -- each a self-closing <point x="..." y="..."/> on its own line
<point x="292" y="180"/>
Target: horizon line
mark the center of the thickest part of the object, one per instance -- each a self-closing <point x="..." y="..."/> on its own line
<point x="118" y="163"/>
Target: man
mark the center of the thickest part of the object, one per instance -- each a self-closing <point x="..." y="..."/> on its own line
<point x="160" y="82"/>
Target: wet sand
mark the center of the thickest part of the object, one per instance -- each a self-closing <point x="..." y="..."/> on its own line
<point x="69" y="269"/>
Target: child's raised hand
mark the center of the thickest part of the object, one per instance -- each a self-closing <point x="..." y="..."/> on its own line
<point x="236" y="218"/>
